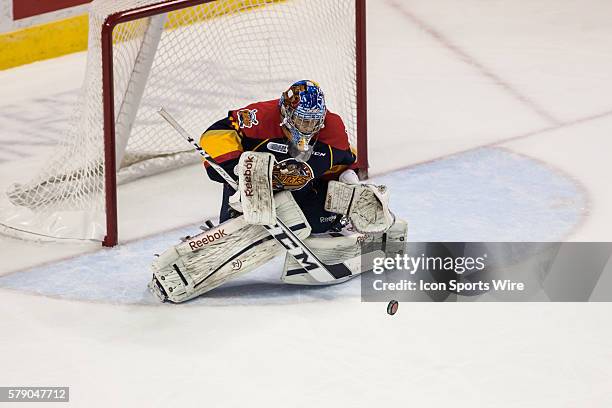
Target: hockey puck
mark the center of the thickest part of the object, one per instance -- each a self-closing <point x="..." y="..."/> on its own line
<point x="392" y="307"/>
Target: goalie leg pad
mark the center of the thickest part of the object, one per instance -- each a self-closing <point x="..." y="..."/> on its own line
<point x="235" y="247"/>
<point x="346" y="248"/>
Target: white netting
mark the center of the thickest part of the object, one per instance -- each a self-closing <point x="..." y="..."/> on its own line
<point x="207" y="60"/>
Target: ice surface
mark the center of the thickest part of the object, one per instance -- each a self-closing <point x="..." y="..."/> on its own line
<point x="487" y="119"/>
<point x="496" y="196"/>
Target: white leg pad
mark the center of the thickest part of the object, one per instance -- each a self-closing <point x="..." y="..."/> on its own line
<point x="346" y="248"/>
<point x="213" y="257"/>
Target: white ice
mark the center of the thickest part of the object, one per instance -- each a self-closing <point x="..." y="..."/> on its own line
<point x="490" y="120"/>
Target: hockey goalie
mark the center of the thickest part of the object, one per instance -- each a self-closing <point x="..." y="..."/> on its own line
<point x="289" y="189"/>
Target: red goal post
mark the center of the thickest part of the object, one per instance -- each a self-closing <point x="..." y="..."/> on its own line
<point x="113" y="20"/>
<point x="198" y="58"/>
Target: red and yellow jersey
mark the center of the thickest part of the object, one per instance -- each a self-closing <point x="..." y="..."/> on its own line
<point x="256" y="127"/>
<point x="261" y="120"/>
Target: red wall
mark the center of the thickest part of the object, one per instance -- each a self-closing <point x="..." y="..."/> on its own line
<point x="29" y="8"/>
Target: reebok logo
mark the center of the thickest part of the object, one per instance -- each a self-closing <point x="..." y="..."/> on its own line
<point x="246" y="174"/>
<point x="207" y="239"/>
<point x="327" y="219"/>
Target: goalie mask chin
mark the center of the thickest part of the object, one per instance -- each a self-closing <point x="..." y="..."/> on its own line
<point x="303" y="110"/>
<point x="300" y="154"/>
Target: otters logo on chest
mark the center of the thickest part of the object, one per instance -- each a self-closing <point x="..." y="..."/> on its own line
<point x="291" y="174"/>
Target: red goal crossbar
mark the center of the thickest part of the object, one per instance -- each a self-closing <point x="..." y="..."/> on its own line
<point x="110" y="165"/>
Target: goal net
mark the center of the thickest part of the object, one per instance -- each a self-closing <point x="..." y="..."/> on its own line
<point x="198" y="59"/>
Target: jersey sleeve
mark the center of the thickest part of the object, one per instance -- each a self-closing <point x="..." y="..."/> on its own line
<point x="223" y="143"/>
<point x="340" y="160"/>
<point x="334" y="133"/>
<point x="259" y="120"/>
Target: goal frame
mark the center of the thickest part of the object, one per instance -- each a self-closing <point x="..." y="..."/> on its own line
<point x="108" y="98"/>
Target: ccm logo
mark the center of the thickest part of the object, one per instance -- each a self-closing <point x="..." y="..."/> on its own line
<point x="207" y="239"/>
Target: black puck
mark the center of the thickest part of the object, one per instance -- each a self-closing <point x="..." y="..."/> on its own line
<point x="392" y="307"/>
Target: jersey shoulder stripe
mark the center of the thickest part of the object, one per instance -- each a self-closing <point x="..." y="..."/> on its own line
<point x="221" y="144"/>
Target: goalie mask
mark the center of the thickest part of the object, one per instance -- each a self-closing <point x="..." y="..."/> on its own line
<point x="302" y="109"/>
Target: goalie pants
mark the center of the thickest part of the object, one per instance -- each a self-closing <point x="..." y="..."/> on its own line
<point x="310" y="199"/>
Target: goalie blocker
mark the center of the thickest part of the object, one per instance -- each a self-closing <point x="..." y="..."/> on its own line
<point x="255" y="193"/>
<point x="234" y="248"/>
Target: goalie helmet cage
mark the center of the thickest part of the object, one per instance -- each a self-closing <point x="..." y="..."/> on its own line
<point x="145" y="89"/>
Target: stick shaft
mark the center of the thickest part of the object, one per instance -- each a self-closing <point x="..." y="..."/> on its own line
<point x="220" y="170"/>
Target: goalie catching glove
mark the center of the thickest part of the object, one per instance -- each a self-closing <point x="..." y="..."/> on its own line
<point x="366" y="205"/>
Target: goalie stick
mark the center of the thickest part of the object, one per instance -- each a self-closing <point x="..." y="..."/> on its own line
<point x="320" y="271"/>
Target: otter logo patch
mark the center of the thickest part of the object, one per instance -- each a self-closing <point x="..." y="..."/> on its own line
<point x="247" y="118"/>
<point x="291" y="174"/>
